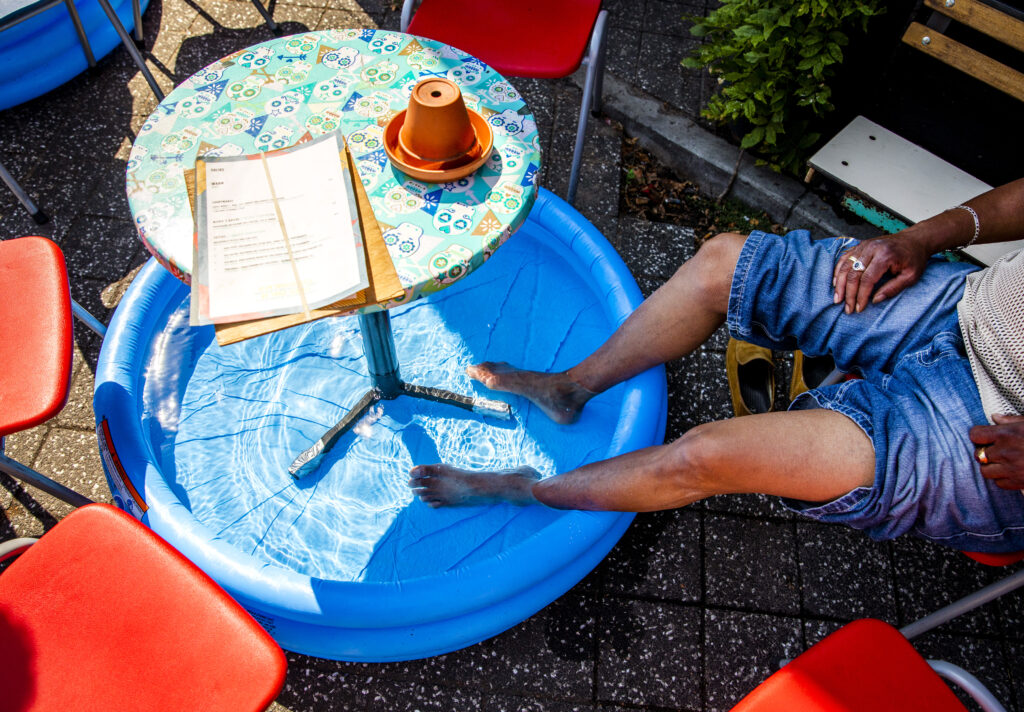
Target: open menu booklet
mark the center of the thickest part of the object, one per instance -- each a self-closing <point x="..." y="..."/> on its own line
<point x="276" y="233"/>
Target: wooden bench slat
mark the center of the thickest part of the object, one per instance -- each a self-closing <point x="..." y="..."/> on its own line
<point x="955" y="54"/>
<point x="984" y="18"/>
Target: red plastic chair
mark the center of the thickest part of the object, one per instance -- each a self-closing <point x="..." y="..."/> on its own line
<point x="102" y="614"/>
<point x="865" y="665"/>
<point x="35" y="347"/>
<point x="525" y="38"/>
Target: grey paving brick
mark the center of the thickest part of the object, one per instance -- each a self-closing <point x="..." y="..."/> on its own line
<point x="659" y="557"/>
<point x="844" y="574"/>
<point x="660" y="73"/>
<point x="649" y="655"/>
<point x="929" y="577"/>
<point x="750" y="564"/>
<point x="741" y="650"/>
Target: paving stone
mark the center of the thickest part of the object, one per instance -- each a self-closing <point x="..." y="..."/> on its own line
<point x="622" y="50"/>
<point x="659" y="557"/>
<point x="698" y="391"/>
<point x="1014" y="654"/>
<point x="750" y="564"/>
<point x="660" y="73"/>
<point x="741" y="650"/>
<point x="341" y="18"/>
<point x="99" y="248"/>
<point x="72" y="458"/>
<point x="68" y="456"/>
<point x="985" y="658"/>
<point x="671" y="18"/>
<point x="929" y="577"/>
<point x="626" y="13"/>
<point x="77" y="412"/>
<point x="816" y="630"/>
<point x="551" y="654"/>
<point x="762" y="506"/>
<point x="108" y="197"/>
<point x="649" y="654"/>
<point x="844" y="574"/>
<point x="653" y="249"/>
<point x="1009" y="610"/>
<point x="340" y="693"/>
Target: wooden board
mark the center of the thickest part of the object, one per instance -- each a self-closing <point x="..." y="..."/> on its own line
<point x="901" y="177"/>
<point x="983" y="68"/>
<point x="984" y="18"/>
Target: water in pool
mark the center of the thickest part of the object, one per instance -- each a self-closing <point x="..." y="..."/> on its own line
<point x="225" y="423"/>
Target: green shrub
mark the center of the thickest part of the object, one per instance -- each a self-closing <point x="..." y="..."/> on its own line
<point x="773" y="60"/>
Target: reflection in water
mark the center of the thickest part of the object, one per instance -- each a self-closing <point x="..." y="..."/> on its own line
<point x="227" y="422"/>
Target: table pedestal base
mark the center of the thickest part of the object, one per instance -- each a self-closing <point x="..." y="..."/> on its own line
<point x="387" y="384"/>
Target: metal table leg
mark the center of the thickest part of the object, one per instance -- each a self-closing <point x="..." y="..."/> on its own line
<point x="386" y="384"/>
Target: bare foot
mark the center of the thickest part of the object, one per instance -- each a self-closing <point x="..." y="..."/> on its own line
<point x="445" y="486"/>
<point x="556" y="394"/>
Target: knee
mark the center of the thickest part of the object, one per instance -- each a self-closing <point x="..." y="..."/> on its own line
<point x="691" y="466"/>
<point x="717" y="260"/>
<point x="723" y="250"/>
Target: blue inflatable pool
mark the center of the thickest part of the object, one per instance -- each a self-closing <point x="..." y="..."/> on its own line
<point x="43" y="52"/>
<point x="346" y="563"/>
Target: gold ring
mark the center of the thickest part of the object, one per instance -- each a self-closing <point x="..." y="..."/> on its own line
<point x="858" y="266"/>
<point x="980" y="456"/>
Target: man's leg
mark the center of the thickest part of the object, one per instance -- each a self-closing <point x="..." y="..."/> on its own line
<point x="672" y="322"/>
<point x="812" y="455"/>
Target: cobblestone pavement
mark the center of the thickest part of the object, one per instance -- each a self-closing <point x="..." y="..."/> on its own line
<point x="693" y="607"/>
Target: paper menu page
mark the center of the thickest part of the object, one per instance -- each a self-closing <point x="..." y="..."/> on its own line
<point x="256" y="259"/>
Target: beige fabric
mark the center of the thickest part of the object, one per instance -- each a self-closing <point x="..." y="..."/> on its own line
<point x="992" y="322"/>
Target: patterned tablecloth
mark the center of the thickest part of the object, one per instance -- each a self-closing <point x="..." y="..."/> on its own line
<point x="276" y="93"/>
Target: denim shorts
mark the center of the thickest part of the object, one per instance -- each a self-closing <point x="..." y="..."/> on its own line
<point x="917" y="400"/>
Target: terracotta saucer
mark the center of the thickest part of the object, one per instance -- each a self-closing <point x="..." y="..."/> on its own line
<point x="439" y="172"/>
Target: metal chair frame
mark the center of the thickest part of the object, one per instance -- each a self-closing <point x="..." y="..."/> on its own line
<point x="593" y="86"/>
<point x="26" y="474"/>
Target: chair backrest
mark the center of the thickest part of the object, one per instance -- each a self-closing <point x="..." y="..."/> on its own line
<point x="36" y="347"/>
<point x="103" y="614"/>
<point x="525" y="38"/>
<point x="865" y="665"/>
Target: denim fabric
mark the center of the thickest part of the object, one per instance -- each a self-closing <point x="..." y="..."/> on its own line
<point x="916" y="402"/>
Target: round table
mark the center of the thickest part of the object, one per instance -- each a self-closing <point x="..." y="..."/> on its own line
<point x="274" y="94"/>
<point x="291" y="89"/>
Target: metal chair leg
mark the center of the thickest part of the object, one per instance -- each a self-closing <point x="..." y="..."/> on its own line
<point x="38" y="215"/>
<point x="26" y="474"/>
<point x="967" y="603"/>
<point x="597" y="56"/>
<point x="137" y="13"/>
<point x="591" y="98"/>
<point x="88" y="319"/>
<point x="126" y="40"/>
<point x="271" y="25"/>
<point x="82" y="37"/>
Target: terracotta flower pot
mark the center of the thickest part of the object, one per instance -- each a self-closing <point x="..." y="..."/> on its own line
<point x="437" y="126"/>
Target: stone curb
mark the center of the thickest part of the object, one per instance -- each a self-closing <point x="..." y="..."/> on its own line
<point x="709" y="161"/>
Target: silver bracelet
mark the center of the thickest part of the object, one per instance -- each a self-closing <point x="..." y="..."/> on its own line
<point x="977" y="223"/>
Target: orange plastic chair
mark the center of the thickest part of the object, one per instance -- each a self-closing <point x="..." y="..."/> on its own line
<point x="525" y="38"/>
<point x="102" y="614"/>
<point x="865" y="665"/>
<point x="35" y="347"/>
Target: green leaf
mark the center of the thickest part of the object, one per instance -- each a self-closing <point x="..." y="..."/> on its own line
<point x="753" y="138"/>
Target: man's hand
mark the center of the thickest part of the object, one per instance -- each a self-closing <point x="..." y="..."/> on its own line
<point x="1000" y="450"/>
<point x="903" y="258"/>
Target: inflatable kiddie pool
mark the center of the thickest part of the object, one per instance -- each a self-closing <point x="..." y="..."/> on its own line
<point x="43" y="52"/>
<point x="346" y="564"/>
